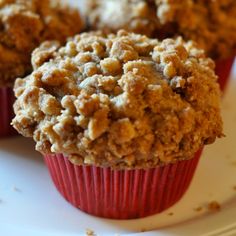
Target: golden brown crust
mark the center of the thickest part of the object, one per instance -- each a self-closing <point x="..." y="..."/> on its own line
<point x="120" y="100"/>
<point x="211" y="23"/>
<point x="24" y="24"/>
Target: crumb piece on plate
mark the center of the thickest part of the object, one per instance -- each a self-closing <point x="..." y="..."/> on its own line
<point x="90" y="232"/>
<point x="197" y="209"/>
<point x="214" y="206"/>
<point x="234" y="187"/>
<point x="170" y="214"/>
<point x="24" y="25"/>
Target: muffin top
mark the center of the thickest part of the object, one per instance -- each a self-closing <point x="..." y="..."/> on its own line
<point x="211" y="23"/>
<point x="124" y="100"/>
<point x="24" y="24"/>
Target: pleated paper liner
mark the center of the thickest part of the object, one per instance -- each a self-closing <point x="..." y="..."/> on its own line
<point x="223" y="69"/>
<point x="7" y="99"/>
<point x="121" y="194"/>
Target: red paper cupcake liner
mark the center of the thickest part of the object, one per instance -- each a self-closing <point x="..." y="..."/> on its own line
<point x="121" y="194"/>
<point x="223" y="69"/>
<point x="7" y="99"/>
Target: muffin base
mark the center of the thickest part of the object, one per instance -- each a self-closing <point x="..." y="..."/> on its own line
<point x="121" y="194"/>
<point x="7" y="99"/>
<point x="223" y="69"/>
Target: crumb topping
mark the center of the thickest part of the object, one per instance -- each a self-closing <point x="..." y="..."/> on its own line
<point x="210" y="23"/>
<point x="24" y="24"/>
<point x="198" y="209"/>
<point x="123" y="100"/>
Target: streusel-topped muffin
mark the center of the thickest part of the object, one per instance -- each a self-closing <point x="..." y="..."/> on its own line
<point x="120" y="100"/>
<point x="24" y="24"/>
<point x="120" y="119"/>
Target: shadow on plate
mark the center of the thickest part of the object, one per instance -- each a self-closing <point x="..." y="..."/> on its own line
<point x="20" y="147"/>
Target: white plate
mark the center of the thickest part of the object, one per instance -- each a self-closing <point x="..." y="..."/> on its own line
<point x="30" y="205"/>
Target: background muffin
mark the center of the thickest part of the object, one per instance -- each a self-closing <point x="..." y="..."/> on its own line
<point x="137" y="16"/>
<point x="24" y="24"/>
<point x="122" y="102"/>
<point x="211" y="24"/>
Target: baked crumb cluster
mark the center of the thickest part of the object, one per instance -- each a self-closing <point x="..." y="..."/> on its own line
<point x="211" y="23"/>
<point x="119" y="100"/>
<point x="24" y="24"/>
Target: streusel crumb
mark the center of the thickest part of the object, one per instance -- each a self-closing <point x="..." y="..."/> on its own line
<point x="24" y="24"/>
<point x="122" y="100"/>
<point x="214" y="206"/>
<point x="90" y="232"/>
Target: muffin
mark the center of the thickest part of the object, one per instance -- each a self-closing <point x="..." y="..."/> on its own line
<point x="211" y="24"/>
<point x="136" y="16"/>
<point x="24" y="24"/>
<point x="121" y="119"/>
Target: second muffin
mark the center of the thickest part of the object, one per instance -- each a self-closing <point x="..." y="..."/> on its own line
<point x="212" y="24"/>
<point x="24" y="24"/>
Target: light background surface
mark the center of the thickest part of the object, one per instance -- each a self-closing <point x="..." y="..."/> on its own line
<point x="30" y="205"/>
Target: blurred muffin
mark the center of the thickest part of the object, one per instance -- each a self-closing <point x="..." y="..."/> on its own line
<point x="24" y="24"/>
<point x="119" y="106"/>
<point x="137" y="16"/>
<point x="211" y="23"/>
